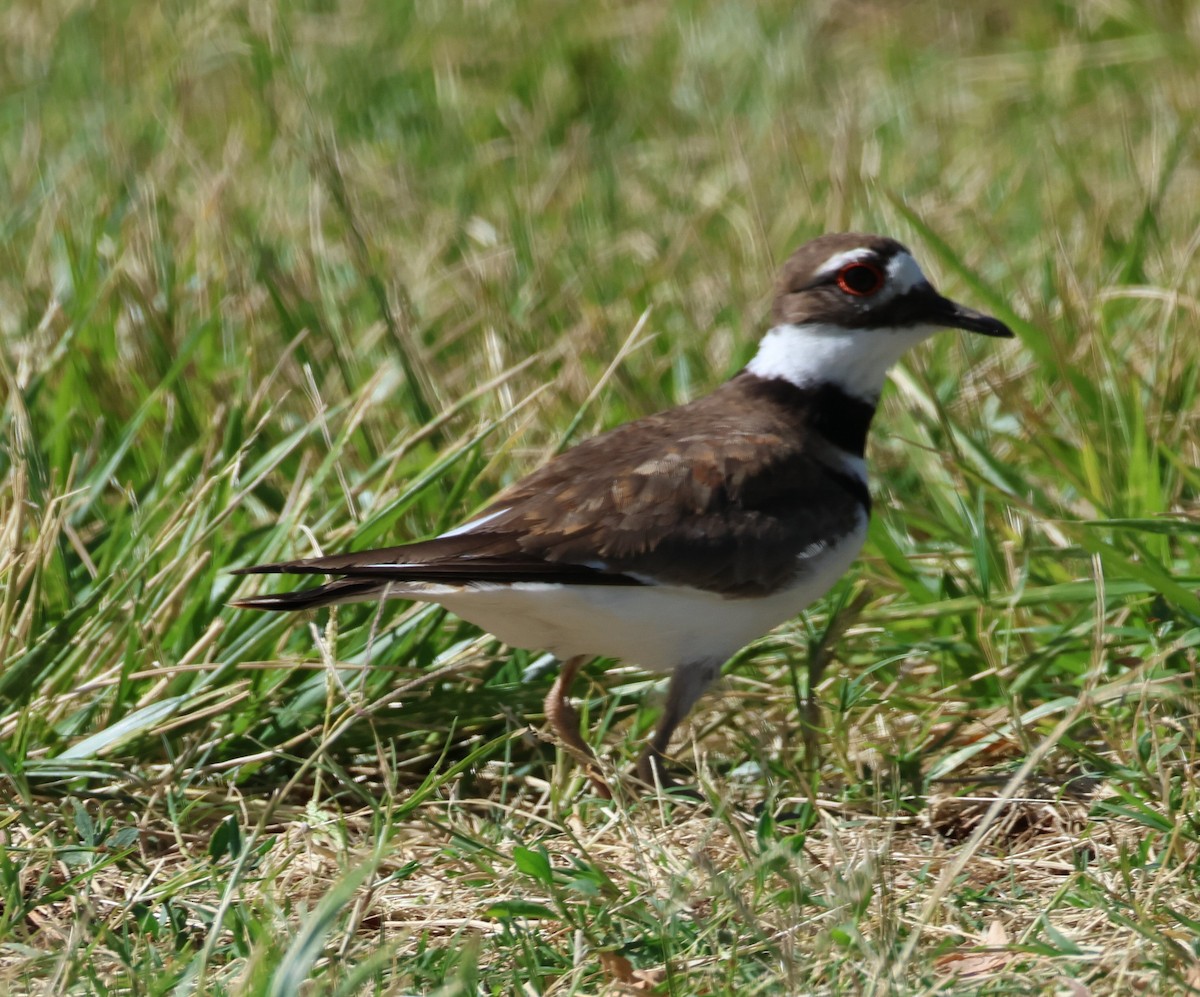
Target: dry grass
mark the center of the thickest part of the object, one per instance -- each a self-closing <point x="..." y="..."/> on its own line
<point x="822" y="909"/>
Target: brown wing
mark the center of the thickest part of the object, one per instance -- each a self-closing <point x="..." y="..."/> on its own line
<point x="721" y="494"/>
<point x="727" y="509"/>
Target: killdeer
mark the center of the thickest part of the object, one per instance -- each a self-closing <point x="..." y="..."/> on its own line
<point x="675" y="540"/>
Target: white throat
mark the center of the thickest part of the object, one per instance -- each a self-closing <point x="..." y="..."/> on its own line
<point x="856" y="360"/>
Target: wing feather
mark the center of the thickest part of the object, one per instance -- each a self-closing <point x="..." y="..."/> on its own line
<point x="728" y="508"/>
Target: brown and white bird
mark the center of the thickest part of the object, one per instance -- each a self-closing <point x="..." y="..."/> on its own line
<point x="674" y="540"/>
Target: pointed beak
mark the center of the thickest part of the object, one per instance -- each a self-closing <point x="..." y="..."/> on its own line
<point x="937" y="310"/>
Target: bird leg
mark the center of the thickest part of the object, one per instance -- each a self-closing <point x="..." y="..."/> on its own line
<point x="564" y="721"/>
<point x="687" y="684"/>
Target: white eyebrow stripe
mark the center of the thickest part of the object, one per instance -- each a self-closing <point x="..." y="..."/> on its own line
<point x="904" y="273"/>
<point x="839" y="260"/>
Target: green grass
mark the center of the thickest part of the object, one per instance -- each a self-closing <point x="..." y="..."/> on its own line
<point x="280" y="278"/>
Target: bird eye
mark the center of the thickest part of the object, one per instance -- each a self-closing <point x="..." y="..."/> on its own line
<point x="860" y="279"/>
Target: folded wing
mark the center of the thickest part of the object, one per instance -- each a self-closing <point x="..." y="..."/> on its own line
<point x="733" y="509"/>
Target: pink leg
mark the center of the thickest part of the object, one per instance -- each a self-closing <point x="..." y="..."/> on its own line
<point x="564" y="721"/>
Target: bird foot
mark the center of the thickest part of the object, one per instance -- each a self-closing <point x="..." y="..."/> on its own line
<point x="652" y="772"/>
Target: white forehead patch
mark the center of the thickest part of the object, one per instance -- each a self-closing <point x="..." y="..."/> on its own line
<point x="904" y="273"/>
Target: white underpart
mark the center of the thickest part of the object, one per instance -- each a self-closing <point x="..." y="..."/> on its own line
<point x="856" y="360"/>
<point x="659" y="627"/>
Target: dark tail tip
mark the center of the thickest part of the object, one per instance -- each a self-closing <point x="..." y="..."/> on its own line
<point x="284" y="601"/>
<point x="342" y="590"/>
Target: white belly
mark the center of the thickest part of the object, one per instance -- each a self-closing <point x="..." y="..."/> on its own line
<point x="658" y="627"/>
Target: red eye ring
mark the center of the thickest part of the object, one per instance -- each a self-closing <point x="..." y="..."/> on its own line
<point x="860" y="278"/>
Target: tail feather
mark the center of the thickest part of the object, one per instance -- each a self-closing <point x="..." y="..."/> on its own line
<point x="454" y="559"/>
<point x="331" y="594"/>
<point x="331" y="564"/>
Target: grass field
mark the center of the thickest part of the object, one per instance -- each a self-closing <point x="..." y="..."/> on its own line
<point x="279" y="278"/>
